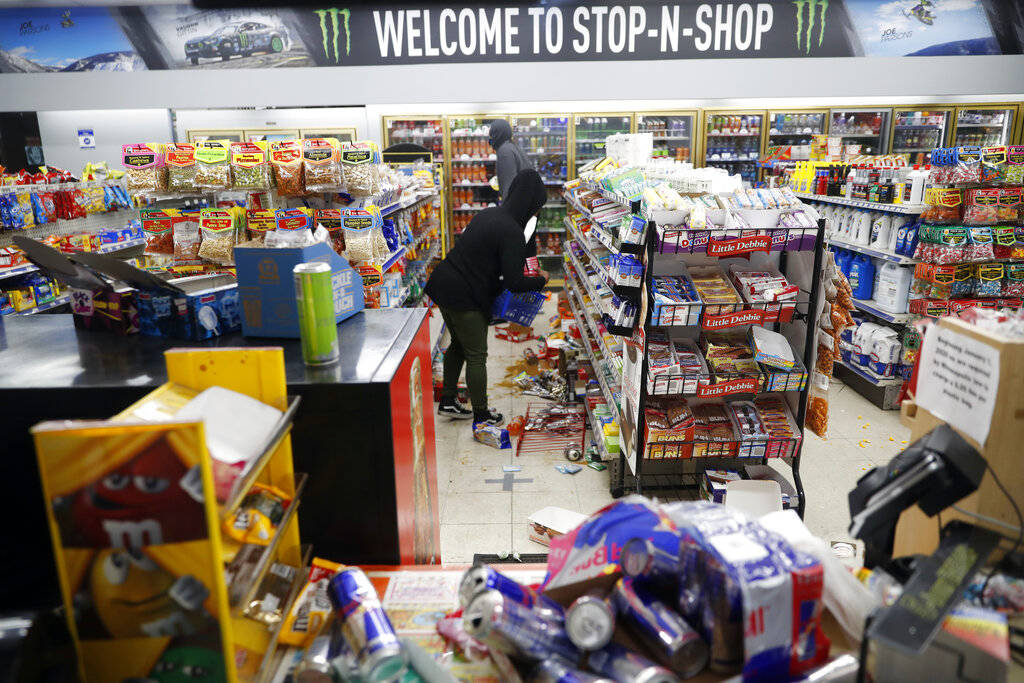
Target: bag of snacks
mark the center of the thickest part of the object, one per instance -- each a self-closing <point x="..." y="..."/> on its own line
<point x="322" y="169"/>
<point x="93" y="199"/>
<point x="249" y="165"/>
<point x="967" y="168"/>
<point x="979" y="245"/>
<point x="44" y="206"/>
<point x="364" y="239"/>
<point x="993" y="164"/>
<point x="982" y="207"/>
<point x="181" y="167"/>
<point x="1014" y="284"/>
<point x="1004" y="239"/>
<point x="219" y="235"/>
<point x="817" y="405"/>
<point x="1008" y="209"/>
<point x="294" y="228"/>
<point x="213" y="170"/>
<point x="258" y="223"/>
<point x="943" y="205"/>
<point x="989" y="280"/>
<point x="1014" y="165"/>
<point x="358" y="162"/>
<point x="144" y="167"/>
<point x="330" y="220"/>
<point x="187" y="239"/>
<point x="286" y="161"/>
<point x="157" y="228"/>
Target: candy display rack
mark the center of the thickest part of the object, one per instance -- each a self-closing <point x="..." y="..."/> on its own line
<point x="183" y="545"/>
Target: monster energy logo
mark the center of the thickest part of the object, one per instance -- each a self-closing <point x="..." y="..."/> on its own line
<point x="333" y="14"/>
<point x="811" y="5"/>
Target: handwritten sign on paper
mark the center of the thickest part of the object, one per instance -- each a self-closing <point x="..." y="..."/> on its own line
<point x="959" y="381"/>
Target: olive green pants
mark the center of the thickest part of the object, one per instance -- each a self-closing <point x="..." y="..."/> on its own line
<point x="468" y="330"/>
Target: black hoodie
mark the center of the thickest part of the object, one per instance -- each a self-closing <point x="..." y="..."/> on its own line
<point x="491" y="247"/>
<point x="510" y="159"/>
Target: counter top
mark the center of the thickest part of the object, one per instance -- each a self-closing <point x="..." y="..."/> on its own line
<point x="46" y="351"/>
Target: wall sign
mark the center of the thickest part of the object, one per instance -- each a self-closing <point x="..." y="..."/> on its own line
<point x="86" y="139"/>
<point x="42" y="39"/>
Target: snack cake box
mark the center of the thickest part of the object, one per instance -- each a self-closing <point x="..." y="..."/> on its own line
<point x="194" y="308"/>
<point x="267" y="288"/>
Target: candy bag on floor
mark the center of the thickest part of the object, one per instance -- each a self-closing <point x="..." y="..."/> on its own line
<point x="495" y="437"/>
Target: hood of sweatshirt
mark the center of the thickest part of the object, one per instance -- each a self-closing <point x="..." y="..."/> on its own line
<point x="526" y="196"/>
<point x="500" y="133"/>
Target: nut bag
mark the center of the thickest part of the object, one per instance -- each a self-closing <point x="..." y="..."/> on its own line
<point x="144" y="167"/>
<point x="249" y="166"/>
<point x="214" y="168"/>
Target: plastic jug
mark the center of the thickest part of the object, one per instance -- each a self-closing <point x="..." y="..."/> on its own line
<point x="892" y="293"/>
<point x="880" y="230"/>
<point x="862" y="229"/>
<point x="862" y="276"/>
<point x="843" y="258"/>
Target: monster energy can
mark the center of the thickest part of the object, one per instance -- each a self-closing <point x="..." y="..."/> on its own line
<point x="318" y="330"/>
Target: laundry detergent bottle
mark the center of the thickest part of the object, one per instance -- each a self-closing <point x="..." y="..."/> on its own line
<point x="862" y="276"/>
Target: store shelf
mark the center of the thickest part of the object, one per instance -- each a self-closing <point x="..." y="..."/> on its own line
<point x="979" y="125"/>
<point x="466" y="183"/>
<point x="667" y="137"/>
<point x="856" y="135"/>
<point x="876" y="253"/>
<point x="912" y="209"/>
<point x="902" y="150"/>
<point x="919" y="126"/>
<point x="269" y="657"/>
<point x="734" y="135"/>
<point x="870" y="376"/>
<point x="732" y="161"/>
<point x="17" y="270"/>
<point x="869" y="306"/>
<point x="551" y="229"/>
<point x="59" y="301"/>
<point x="121" y="246"/>
<point x="465" y="158"/>
<point x="578" y="309"/>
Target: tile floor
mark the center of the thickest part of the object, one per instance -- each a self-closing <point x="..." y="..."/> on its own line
<point x="483" y="513"/>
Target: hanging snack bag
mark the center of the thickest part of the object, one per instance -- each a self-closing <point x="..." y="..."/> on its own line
<point x="1014" y="165"/>
<point x="93" y="199"/>
<point x="258" y="223"/>
<point x="980" y="245"/>
<point x="213" y="170"/>
<point x="286" y="162"/>
<point x="187" y="239"/>
<point x="358" y="162"/>
<point x="330" y="219"/>
<point x="982" y="207"/>
<point x="968" y="166"/>
<point x="989" y="280"/>
<point x="1008" y="209"/>
<point x="44" y="206"/>
<point x="364" y="239"/>
<point x="1003" y="241"/>
<point x="943" y="205"/>
<point x="249" y="165"/>
<point x="993" y="164"/>
<point x="321" y="165"/>
<point x="144" y="167"/>
<point x="157" y="228"/>
<point x="219" y="235"/>
<point x="181" y="167"/>
<point x="294" y="228"/>
<point x="1014" y="284"/>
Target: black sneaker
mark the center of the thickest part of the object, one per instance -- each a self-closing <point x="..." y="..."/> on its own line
<point x="454" y="411"/>
<point x="491" y="417"/>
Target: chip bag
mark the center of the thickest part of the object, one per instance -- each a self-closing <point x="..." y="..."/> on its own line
<point x="491" y="435"/>
<point x="257" y="518"/>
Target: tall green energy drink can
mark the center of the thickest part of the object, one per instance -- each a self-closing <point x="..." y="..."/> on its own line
<point x="315" y="297"/>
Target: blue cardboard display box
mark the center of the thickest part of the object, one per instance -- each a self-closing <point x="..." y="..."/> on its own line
<point x="267" y="288"/>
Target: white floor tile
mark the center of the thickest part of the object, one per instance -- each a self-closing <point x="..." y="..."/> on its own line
<point x="459" y="542"/>
<point x="477" y="508"/>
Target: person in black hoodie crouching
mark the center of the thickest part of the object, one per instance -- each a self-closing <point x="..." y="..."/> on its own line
<point x="488" y="256"/>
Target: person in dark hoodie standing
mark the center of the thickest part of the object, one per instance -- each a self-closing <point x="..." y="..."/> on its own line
<point x="510" y="158"/>
<point x="488" y="256"/>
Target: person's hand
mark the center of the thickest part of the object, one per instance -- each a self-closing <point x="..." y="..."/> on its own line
<point x="544" y="274"/>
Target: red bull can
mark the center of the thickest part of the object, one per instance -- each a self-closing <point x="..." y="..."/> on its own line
<point x="620" y="664"/>
<point x="365" y="626"/>
<point x="556" y="671"/>
<point x="590" y="622"/>
<point x="318" y="331"/>
<point x="483" y="578"/>
<point x="640" y="557"/>
<point x="515" y="629"/>
<point x="675" y="643"/>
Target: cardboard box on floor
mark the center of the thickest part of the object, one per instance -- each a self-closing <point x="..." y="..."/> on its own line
<point x="918" y="533"/>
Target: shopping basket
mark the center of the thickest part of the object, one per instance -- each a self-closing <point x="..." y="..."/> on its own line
<point x="518" y="307"/>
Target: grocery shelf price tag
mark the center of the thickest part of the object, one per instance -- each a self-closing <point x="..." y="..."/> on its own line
<point x="740" y="245"/>
<point x="718" y="322"/>
<point x="743" y="385"/>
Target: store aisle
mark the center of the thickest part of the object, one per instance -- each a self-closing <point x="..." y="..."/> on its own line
<point x="484" y="509"/>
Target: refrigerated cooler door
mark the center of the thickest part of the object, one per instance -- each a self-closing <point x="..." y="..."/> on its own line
<point x="545" y="140"/>
<point x="590" y="133"/>
<point x="672" y="133"/>
<point x="983" y="127"/>
<point x="427" y="133"/>
<point x="868" y="128"/>
<point x="733" y="142"/>
<point x="917" y="132"/>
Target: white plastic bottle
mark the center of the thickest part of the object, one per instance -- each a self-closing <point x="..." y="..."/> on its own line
<point x="862" y="228"/>
<point x="913" y="187"/>
<point x="892" y="290"/>
<point x="881" y="230"/>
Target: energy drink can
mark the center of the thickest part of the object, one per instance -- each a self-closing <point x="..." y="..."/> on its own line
<point x="670" y="638"/>
<point x="483" y="578"/>
<point x="515" y="629"/>
<point x="590" y="622"/>
<point x="314" y="294"/>
<point x="620" y="664"/>
<point x="315" y="666"/>
<point x="640" y="557"/>
<point x="556" y="671"/>
<point x="365" y="626"/>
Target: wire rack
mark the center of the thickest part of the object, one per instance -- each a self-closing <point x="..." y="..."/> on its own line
<point x="540" y="441"/>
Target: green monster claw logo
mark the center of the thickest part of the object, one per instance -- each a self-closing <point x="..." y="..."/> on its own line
<point x="811" y="5"/>
<point x="334" y="13"/>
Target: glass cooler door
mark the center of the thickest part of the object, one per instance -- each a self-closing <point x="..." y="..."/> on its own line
<point x="733" y="141"/>
<point x="590" y="132"/>
<point x="472" y="167"/>
<point x="983" y="126"/>
<point x="427" y="132"/>
<point x="672" y="132"/>
<point x="917" y="131"/>
<point x="868" y="128"/>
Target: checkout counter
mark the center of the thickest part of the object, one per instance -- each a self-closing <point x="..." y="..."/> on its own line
<point x="364" y="432"/>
